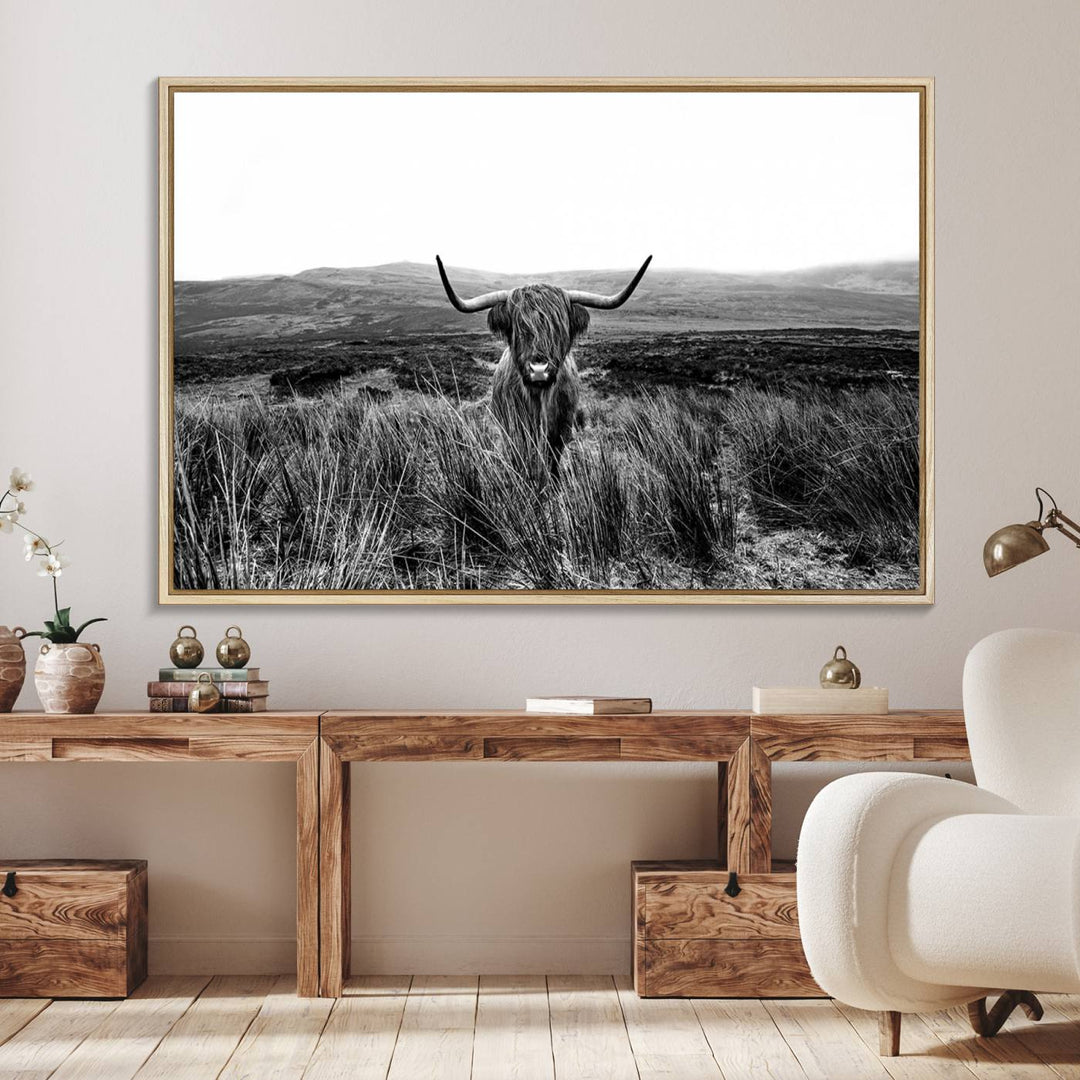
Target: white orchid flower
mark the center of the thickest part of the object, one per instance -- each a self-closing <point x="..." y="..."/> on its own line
<point x="54" y="565"/>
<point x="7" y="521"/>
<point x="20" y="480"/>
<point x="34" y="545"/>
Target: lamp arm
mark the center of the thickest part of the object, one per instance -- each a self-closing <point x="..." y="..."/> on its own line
<point x="1056" y="518"/>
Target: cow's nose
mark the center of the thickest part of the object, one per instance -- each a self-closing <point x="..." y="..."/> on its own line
<point x="538" y="371"/>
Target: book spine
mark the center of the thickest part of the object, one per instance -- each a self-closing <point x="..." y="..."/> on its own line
<point x="168" y="704"/>
<point x="216" y="674"/>
<point x="226" y="689"/>
<point x="235" y="705"/>
<point x="228" y="705"/>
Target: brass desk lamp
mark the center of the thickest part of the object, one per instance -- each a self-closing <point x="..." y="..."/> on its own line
<point x="1014" y="544"/>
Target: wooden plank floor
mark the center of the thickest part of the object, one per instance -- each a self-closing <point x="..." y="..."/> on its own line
<point x="524" y="1027"/>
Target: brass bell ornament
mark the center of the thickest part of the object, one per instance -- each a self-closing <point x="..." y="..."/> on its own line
<point x="840" y="673"/>
<point x="186" y="651"/>
<point x="204" y="695"/>
<point x="233" y="652"/>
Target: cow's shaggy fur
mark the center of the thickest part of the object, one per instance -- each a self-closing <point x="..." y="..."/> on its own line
<point x="537" y="388"/>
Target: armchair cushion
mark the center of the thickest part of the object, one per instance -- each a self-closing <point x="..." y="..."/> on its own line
<point x="987" y="899"/>
<point x="853" y="833"/>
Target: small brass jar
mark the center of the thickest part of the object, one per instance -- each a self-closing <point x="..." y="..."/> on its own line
<point x="233" y="652"/>
<point x="204" y="696"/>
<point x="840" y="673"/>
<point x="186" y="652"/>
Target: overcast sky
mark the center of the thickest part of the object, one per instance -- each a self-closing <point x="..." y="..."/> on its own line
<point x="518" y="182"/>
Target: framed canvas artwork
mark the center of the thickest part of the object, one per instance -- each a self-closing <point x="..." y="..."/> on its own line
<point x="546" y="341"/>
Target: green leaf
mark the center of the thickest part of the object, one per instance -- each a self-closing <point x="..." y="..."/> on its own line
<point x="50" y="625"/>
<point x="63" y="616"/>
<point x="86" y="624"/>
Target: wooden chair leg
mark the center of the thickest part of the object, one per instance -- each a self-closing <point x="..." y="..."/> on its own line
<point x="889" y="1033"/>
<point x="988" y="1024"/>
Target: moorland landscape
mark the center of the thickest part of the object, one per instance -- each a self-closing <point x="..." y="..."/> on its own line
<point x="736" y="432"/>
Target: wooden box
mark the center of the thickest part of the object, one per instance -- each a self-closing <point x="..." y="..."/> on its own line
<point x="72" y="928"/>
<point x="691" y="939"/>
<point x="817" y="701"/>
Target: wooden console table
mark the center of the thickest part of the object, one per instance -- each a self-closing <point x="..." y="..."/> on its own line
<point x="743" y="745"/>
<point x="322" y="745"/>
<point x="136" y="736"/>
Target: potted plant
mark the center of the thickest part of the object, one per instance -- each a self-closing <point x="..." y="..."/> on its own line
<point x="69" y="674"/>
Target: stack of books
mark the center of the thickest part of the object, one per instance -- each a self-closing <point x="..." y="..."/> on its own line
<point x="241" y="689"/>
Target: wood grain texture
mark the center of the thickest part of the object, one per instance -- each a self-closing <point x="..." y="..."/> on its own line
<point x="513" y="1032"/>
<point x="826" y="1045"/>
<point x="507" y="723"/>
<point x="749" y="810"/>
<point x="1005" y="1055"/>
<point x="891" y="737"/>
<point x="764" y="908"/>
<point x="589" y="1040"/>
<point x="282" y="1037"/>
<point x="415" y="747"/>
<point x="334" y="870"/>
<point x="749" y="967"/>
<point x="129" y="1035"/>
<point x="722" y="812"/>
<point x="552" y="748"/>
<point x="359" y="1039"/>
<point x="745" y="1042"/>
<point x="36" y="967"/>
<point x="40" y="1048"/>
<point x="923" y="1056"/>
<point x="200" y="1043"/>
<point x="120" y="749"/>
<point x="248" y="747"/>
<point x="435" y="1041"/>
<point x="73" y="929"/>
<point x="16" y="1013"/>
<point x="75" y="904"/>
<point x="25" y="749"/>
<point x="140" y="725"/>
<point x="137" y="927"/>
<point x="307" y="871"/>
<point x="665" y="1036"/>
<point x="678" y="747"/>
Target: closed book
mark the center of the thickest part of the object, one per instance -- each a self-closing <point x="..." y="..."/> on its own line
<point x="235" y="705"/>
<point x="225" y="689"/>
<point x="218" y="674"/>
<point x="588" y="706"/>
<point x="229" y="705"/>
<point x="168" y="704"/>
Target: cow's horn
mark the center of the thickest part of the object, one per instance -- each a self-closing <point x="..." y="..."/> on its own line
<point x="595" y="300"/>
<point x="478" y="303"/>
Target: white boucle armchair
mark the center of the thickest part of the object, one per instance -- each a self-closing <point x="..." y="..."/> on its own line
<point x="918" y="893"/>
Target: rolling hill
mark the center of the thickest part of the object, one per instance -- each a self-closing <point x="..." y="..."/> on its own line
<point x="407" y="298"/>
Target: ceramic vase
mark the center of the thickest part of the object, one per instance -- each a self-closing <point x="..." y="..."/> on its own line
<point x="12" y="667"/>
<point x="69" y="678"/>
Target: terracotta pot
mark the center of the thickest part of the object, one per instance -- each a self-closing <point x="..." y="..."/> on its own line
<point x="69" y="678"/>
<point x="12" y="666"/>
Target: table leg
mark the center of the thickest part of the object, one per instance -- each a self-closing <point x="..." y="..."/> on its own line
<point x="749" y="810"/>
<point x="722" y="813"/>
<point x="307" y="872"/>
<point x="334" y="872"/>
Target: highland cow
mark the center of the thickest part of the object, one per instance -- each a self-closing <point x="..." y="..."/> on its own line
<point x="536" y="389"/>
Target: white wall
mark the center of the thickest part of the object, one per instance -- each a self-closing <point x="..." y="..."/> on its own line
<point x="495" y="867"/>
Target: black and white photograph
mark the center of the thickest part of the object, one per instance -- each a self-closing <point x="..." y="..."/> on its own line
<point x="546" y="343"/>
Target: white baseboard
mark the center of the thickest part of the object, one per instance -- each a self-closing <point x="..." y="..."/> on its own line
<point x="430" y="954"/>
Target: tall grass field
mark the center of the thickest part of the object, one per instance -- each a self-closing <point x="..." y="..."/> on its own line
<point x="680" y="487"/>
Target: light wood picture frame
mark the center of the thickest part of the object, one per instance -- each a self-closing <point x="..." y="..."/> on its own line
<point x="753" y="426"/>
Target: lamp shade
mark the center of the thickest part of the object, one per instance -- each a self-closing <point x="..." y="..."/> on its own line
<point x="1012" y="545"/>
